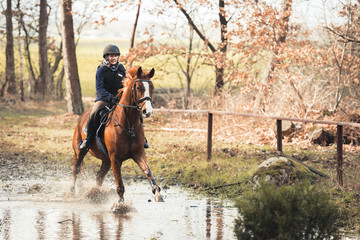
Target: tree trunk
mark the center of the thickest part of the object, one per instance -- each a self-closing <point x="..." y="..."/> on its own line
<point x="59" y="90"/>
<point x="132" y="42"/>
<point x="32" y="81"/>
<point x="59" y="80"/>
<point x="188" y="72"/>
<point x="45" y="87"/>
<point x="10" y="62"/>
<point x="21" y="56"/>
<point x="220" y="62"/>
<point x="73" y="89"/>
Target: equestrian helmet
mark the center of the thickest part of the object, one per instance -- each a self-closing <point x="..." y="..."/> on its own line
<point x="111" y="49"/>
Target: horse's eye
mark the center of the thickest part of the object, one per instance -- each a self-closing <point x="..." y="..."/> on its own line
<point x="138" y="88"/>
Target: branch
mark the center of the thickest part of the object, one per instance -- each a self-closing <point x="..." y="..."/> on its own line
<point x="348" y="39"/>
<point x="191" y="22"/>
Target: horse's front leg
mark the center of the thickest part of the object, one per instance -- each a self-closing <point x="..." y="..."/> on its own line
<point x="141" y="161"/>
<point x="120" y="189"/>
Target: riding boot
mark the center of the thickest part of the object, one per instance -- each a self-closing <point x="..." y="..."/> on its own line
<point x="89" y="130"/>
<point x="146" y="144"/>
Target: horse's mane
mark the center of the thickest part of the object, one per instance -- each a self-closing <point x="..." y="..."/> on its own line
<point x="130" y="79"/>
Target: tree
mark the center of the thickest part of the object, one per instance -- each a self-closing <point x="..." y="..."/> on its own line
<point x="220" y="53"/>
<point x="21" y="83"/>
<point x="73" y="88"/>
<point x="132" y="41"/>
<point x="45" y="86"/>
<point x="344" y="53"/>
<point x="10" y="62"/>
<point x="28" y="39"/>
<point x="281" y="29"/>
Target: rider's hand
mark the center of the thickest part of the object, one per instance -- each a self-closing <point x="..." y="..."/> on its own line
<point x="114" y="100"/>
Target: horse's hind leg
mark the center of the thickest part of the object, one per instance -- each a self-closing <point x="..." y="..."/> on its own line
<point x="105" y="166"/>
<point x="78" y="160"/>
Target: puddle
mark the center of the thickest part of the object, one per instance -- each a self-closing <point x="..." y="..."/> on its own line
<point x="32" y="210"/>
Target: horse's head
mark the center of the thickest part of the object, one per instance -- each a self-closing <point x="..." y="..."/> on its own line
<point x="143" y="88"/>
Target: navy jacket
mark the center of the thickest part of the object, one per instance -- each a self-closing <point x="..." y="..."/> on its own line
<point x="108" y="81"/>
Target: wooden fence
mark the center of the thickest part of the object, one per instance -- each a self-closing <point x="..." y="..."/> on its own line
<point x="279" y="119"/>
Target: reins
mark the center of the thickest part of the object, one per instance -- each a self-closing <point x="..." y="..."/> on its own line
<point x="138" y="106"/>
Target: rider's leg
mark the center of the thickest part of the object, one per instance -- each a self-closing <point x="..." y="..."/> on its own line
<point x="90" y="125"/>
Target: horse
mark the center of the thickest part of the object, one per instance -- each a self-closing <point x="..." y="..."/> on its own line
<point x="123" y="135"/>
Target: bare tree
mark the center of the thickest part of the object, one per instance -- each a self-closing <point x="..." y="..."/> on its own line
<point x="10" y="62"/>
<point x="132" y="41"/>
<point x="73" y="88"/>
<point x="345" y="51"/>
<point x="21" y="56"/>
<point x="44" y="82"/>
<point x="190" y="67"/>
<point x="219" y="54"/>
<point x="28" y="39"/>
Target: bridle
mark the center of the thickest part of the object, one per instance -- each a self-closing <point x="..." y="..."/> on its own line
<point x="143" y="99"/>
<point x="137" y="101"/>
<point x="138" y="106"/>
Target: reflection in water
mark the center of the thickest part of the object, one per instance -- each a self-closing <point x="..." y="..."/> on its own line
<point x="208" y="219"/>
<point x="5" y="224"/>
<point x="76" y="233"/>
<point x="40" y="224"/>
<point x="219" y="222"/>
<point x="181" y="216"/>
<point x="219" y="212"/>
<point x="101" y="227"/>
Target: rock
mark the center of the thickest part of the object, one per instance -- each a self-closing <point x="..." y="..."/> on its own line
<point x="318" y="135"/>
<point x="282" y="171"/>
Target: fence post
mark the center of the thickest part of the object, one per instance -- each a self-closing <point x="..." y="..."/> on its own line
<point x="209" y="136"/>
<point x="339" y="155"/>
<point x="279" y="135"/>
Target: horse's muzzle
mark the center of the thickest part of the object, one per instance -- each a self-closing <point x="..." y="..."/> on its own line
<point x="147" y="114"/>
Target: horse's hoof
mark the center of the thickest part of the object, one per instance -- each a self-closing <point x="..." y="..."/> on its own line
<point x="157" y="196"/>
<point x="72" y="190"/>
<point x="121" y="208"/>
<point x="156" y="188"/>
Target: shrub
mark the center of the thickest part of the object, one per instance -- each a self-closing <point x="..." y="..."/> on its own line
<point x="300" y="211"/>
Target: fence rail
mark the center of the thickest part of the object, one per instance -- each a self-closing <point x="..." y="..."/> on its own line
<point x="279" y="119"/>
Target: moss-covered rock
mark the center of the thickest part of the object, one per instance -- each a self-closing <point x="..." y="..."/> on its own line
<point x="282" y="171"/>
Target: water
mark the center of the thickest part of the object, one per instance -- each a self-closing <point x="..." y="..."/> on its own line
<point x="30" y="210"/>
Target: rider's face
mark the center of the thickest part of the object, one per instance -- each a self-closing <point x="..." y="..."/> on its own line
<point x="113" y="58"/>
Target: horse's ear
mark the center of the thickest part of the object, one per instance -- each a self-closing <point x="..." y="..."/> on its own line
<point x="151" y="73"/>
<point x="139" y="71"/>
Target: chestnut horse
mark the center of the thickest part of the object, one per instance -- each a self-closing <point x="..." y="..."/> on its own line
<point x="124" y="133"/>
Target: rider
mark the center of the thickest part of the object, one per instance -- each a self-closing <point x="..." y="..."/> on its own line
<point x="109" y="76"/>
